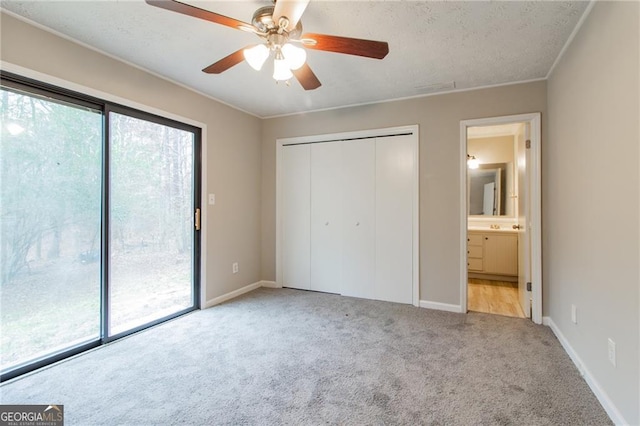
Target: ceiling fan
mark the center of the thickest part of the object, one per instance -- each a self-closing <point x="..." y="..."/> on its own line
<point x="280" y="28"/>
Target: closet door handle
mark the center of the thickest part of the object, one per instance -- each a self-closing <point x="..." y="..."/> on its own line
<point x="326" y="224"/>
<point x="357" y="223"/>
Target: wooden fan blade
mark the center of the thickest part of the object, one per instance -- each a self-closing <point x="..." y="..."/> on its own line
<point x="346" y="45"/>
<point x="196" y="12"/>
<point x="306" y="77"/>
<point x="291" y="9"/>
<point x="227" y="62"/>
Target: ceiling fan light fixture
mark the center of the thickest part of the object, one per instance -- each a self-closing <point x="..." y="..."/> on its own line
<point x="256" y="56"/>
<point x="294" y="56"/>
<point x="281" y="70"/>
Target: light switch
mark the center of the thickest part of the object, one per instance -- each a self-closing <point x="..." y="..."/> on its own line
<point x="212" y="199"/>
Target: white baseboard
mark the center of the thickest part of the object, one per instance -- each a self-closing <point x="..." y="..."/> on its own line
<point x="608" y="405"/>
<point x="440" y="306"/>
<point x="231" y="295"/>
<point x="239" y="292"/>
<point x="269" y="284"/>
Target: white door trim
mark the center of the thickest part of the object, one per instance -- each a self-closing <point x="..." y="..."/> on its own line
<point x="535" y="221"/>
<point x="372" y="133"/>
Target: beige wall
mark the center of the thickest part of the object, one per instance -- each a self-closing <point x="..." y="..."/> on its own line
<point x="232" y="163"/>
<point x="591" y="199"/>
<point x="492" y="150"/>
<point x="439" y="120"/>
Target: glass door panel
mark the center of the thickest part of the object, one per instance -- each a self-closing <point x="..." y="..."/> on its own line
<point x="151" y="228"/>
<point x="50" y="213"/>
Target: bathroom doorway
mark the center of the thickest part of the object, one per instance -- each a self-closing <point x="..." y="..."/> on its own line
<point x="500" y="217"/>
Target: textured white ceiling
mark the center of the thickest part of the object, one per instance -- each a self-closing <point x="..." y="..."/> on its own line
<point x="432" y="44"/>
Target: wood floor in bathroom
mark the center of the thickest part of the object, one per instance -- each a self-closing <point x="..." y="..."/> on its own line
<point x="494" y="297"/>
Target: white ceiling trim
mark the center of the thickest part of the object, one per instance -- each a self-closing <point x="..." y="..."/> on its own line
<point x="425" y="95"/>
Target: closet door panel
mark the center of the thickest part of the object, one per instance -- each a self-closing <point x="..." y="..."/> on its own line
<point x="358" y="206"/>
<point x="395" y="163"/>
<point x="326" y="217"/>
<point x="296" y="216"/>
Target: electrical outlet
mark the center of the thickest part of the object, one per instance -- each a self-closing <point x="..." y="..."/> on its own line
<point x="234" y="267"/>
<point x="574" y="314"/>
<point x="612" y="352"/>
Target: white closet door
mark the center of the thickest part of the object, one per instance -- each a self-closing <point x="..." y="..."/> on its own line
<point x="395" y="163"/>
<point x="358" y="206"/>
<point x="296" y="216"/>
<point x="326" y="217"/>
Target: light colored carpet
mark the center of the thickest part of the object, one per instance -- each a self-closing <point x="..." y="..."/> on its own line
<point x="281" y="356"/>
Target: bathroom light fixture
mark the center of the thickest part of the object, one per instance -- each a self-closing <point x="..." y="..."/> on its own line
<point x="472" y="162"/>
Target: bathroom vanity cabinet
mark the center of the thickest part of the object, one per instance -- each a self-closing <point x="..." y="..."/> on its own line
<point x="492" y="253"/>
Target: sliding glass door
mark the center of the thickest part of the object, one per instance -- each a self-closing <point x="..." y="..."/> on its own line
<point x="50" y="154"/>
<point x="151" y="230"/>
<point x="98" y="229"/>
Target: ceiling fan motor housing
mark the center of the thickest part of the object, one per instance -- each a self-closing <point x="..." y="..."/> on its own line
<point x="276" y="40"/>
<point x="263" y="21"/>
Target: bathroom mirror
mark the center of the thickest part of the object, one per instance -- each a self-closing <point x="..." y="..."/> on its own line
<point x="488" y="189"/>
<point x="492" y="187"/>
